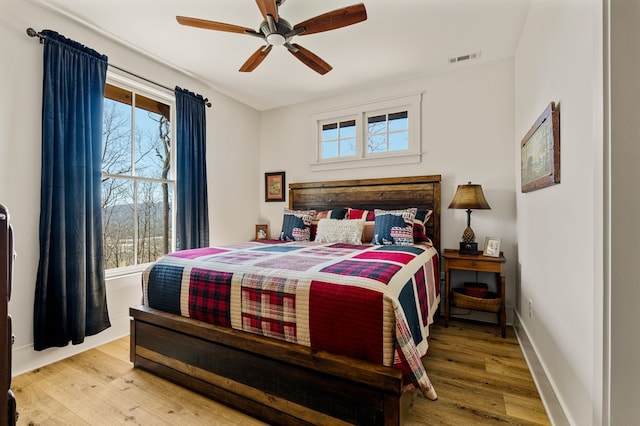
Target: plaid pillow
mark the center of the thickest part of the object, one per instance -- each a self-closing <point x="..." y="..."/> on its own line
<point x="419" y="225"/>
<point x="369" y="217"/>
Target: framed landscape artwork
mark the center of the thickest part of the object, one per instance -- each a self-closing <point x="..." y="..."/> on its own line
<point x="540" y="152"/>
<point x="274" y="186"/>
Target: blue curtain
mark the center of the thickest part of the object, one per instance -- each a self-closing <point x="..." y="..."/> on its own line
<point x="192" y="212"/>
<point x="70" y="299"/>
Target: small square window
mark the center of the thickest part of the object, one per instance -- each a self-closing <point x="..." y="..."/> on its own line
<point x="388" y="132"/>
<point x="338" y="139"/>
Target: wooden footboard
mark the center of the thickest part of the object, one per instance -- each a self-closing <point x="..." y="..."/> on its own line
<point x="278" y="382"/>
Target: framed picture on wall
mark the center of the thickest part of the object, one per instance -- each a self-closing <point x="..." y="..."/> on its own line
<point x="540" y="152"/>
<point x="274" y="186"/>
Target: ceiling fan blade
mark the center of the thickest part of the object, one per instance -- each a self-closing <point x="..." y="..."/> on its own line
<point x="256" y="59"/>
<point x="268" y="7"/>
<point x="310" y="59"/>
<point x="332" y="20"/>
<point x="212" y="25"/>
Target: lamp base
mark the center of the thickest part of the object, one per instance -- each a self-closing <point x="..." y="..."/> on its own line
<point x="468" y="248"/>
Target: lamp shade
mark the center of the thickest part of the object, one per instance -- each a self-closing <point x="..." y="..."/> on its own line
<point x="469" y="196"/>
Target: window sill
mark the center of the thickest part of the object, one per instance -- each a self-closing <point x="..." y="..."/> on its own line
<point x="366" y="162"/>
<point x="125" y="271"/>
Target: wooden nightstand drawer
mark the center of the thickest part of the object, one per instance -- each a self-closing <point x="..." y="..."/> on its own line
<point x="480" y="264"/>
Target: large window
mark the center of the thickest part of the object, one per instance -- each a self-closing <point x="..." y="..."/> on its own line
<point x="137" y="179"/>
<point x="377" y="133"/>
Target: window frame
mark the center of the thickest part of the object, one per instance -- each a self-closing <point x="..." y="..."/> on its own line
<point x="411" y="103"/>
<point x="358" y="137"/>
<point x="163" y="97"/>
<point x="387" y="132"/>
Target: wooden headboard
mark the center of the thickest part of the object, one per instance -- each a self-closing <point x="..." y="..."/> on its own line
<point x="385" y="193"/>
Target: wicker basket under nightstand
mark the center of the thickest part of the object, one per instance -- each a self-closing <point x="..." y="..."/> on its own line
<point x="491" y="303"/>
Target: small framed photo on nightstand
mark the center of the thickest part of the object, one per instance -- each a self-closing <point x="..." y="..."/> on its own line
<point x="262" y="232"/>
<point x="492" y="247"/>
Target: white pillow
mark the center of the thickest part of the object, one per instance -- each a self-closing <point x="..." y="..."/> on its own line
<point x="340" y="231"/>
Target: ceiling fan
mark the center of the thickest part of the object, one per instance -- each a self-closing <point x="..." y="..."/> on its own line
<point x="276" y="31"/>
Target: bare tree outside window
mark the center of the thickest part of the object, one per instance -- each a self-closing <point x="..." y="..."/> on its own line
<point x="137" y="189"/>
<point x="388" y="132"/>
<point x="339" y="139"/>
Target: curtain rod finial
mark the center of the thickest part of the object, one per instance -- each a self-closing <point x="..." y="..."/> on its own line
<point x="31" y="32"/>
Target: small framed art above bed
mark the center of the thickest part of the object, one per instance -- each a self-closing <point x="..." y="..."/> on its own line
<point x="329" y="331"/>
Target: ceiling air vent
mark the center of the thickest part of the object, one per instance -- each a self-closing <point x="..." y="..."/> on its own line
<point x="466" y="57"/>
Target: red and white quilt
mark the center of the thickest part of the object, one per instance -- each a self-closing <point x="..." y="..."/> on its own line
<point x="371" y="302"/>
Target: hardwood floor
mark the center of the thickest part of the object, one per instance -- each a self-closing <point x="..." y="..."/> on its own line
<point x="480" y="379"/>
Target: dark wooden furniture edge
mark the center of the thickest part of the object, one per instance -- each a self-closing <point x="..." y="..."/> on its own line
<point x="8" y="414"/>
<point x="383" y="193"/>
<point x="198" y="355"/>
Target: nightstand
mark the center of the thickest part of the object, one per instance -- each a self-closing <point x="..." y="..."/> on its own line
<point x="477" y="263"/>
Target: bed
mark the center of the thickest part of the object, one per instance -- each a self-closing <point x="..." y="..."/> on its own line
<point x="294" y="372"/>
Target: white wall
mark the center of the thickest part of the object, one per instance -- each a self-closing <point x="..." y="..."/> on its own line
<point x="559" y="229"/>
<point x="467" y="135"/>
<point x="624" y="172"/>
<point x="232" y="157"/>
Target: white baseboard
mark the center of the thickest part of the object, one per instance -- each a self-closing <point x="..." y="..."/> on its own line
<point x="552" y="404"/>
<point x="25" y="358"/>
<point x="122" y="292"/>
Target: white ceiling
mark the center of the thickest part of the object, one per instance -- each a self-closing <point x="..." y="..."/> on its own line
<point x="401" y="39"/>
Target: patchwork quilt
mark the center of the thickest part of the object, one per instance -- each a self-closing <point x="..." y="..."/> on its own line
<point x="366" y="301"/>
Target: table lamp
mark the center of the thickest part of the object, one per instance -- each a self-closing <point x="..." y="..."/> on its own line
<point x="469" y="196"/>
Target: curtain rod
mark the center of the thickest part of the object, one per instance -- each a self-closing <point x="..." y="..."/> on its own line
<point x="33" y="33"/>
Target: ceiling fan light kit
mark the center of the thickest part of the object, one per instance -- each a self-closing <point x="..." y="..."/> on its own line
<point x="276" y="39"/>
<point x="276" y="31"/>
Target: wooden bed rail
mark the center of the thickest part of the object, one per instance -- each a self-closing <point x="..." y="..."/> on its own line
<point x="279" y="382"/>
